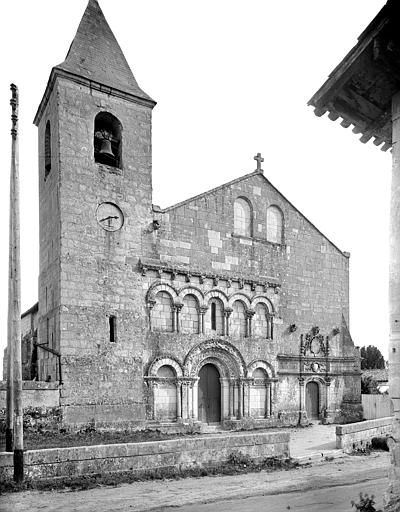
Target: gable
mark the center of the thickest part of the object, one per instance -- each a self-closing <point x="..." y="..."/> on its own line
<point x="261" y="194"/>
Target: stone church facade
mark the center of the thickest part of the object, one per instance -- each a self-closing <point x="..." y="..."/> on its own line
<point x="230" y="307"/>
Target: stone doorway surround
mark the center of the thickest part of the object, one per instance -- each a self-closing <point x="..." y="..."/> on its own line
<point x="235" y="378"/>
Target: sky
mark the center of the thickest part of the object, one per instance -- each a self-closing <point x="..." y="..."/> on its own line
<point x="231" y="79"/>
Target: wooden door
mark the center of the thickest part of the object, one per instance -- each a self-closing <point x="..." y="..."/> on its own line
<point x="209" y="395"/>
<point x="312" y="400"/>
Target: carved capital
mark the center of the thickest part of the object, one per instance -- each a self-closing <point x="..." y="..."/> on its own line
<point x="151" y="303"/>
<point x="203" y="309"/>
<point x="228" y="312"/>
<point x="250" y="313"/>
<point x="178" y="306"/>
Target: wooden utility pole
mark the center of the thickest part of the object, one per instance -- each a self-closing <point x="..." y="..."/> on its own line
<point x="10" y="344"/>
<point x="14" y="300"/>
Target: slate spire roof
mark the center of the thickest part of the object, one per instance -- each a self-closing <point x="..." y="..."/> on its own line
<point x="96" y="59"/>
<point x="96" y="55"/>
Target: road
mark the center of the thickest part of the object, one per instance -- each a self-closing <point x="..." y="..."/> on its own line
<point x="326" y="487"/>
<point x="334" y="499"/>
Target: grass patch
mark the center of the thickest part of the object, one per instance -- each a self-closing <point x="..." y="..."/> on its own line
<point x="89" y="437"/>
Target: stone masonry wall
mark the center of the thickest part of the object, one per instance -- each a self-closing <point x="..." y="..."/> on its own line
<point x="94" y="270"/>
<point x="198" y="237"/>
<point x="177" y="453"/>
<point x="199" y="234"/>
<point x="89" y="274"/>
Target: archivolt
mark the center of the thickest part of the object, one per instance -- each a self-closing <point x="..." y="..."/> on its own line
<point x="220" y="350"/>
<point x="240" y="296"/>
<point x="263" y="300"/>
<point x="164" y="361"/>
<point x="161" y="287"/>
<point x="191" y="290"/>
<point x="217" y="294"/>
<point x="261" y="364"/>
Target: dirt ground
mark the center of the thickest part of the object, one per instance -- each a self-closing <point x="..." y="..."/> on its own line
<point x="352" y="473"/>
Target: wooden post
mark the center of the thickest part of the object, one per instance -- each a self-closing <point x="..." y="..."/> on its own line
<point x="14" y="315"/>
<point x="10" y="346"/>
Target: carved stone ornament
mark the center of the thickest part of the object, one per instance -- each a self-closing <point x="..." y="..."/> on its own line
<point x="314" y="343"/>
<point x="313" y="366"/>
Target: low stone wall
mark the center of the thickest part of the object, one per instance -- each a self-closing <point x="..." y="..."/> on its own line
<point x="358" y="435"/>
<point x="175" y="453"/>
<point x="34" y="394"/>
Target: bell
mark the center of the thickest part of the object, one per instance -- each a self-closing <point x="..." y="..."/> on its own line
<point x="106" y="148"/>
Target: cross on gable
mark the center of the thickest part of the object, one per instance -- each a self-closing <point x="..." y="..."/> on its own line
<point x="259" y="160"/>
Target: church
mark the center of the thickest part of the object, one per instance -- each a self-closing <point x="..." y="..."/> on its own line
<point x="229" y="308"/>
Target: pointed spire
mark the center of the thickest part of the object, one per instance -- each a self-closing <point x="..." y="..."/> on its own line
<point x="96" y="55"/>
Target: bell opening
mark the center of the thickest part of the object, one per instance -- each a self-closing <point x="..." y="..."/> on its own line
<point x="107" y="140"/>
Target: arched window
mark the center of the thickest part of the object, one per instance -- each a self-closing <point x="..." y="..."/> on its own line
<point x="242" y="217"/>
<point x="165" y="400"/>
<point x="262" y="321"/>
<point x="107" y="140"/>
<point x="162" y="313"/>
<point x="47" y="150"/>
<point x="238" y="319"/>
<point x="215" y="316"/>
<point x="190" y="314"/>
<point x="274" y="225"/>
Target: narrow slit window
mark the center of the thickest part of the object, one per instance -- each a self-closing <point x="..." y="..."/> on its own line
<point x="113" y="329"/>
<point x="213" y="316"/>
<point x="47" y="150"/>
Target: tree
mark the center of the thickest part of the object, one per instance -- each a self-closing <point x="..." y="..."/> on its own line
<point x="369" y="385"/>
<point x="371" y="358"/>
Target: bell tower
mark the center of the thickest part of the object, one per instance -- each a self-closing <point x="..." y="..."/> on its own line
<point x="95" y="196"/>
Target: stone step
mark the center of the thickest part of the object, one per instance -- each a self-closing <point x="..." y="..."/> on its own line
<point x="317" y="457"/>
<point x="211" y="429"/>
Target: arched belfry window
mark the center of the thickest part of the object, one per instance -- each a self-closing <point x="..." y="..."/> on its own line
<point x="274" y="225"/>
<point x="107" y="140"/>
<point x="242" y="217"/>
<point x="47" y="150"/>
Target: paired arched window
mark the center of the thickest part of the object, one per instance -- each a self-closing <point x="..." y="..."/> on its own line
<point x="107" y="140"/>
<point x="162" y="315"/>
<point x="47" y="150"/>
<point x="274" y="225"/>
<point x="190" y="315"/>
<point x="242" y="217"/>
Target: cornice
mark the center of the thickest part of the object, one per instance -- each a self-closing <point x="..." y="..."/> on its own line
<point x="92" y="85"/>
